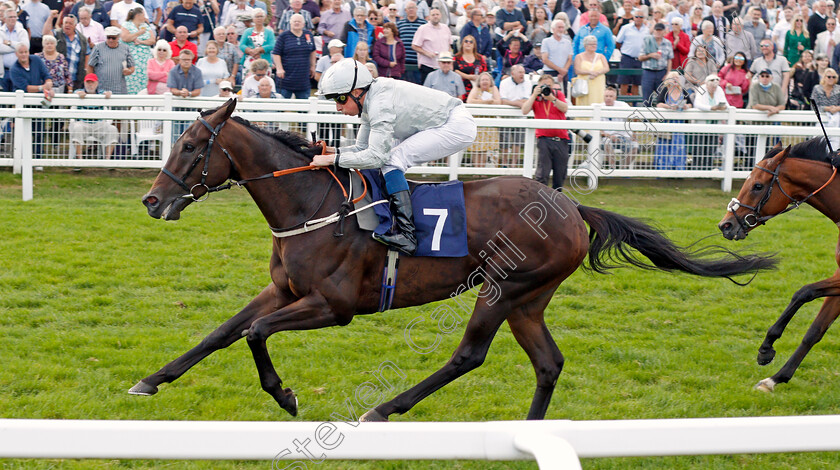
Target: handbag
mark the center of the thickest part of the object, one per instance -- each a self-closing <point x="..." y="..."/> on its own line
<point x="580" y="87"/>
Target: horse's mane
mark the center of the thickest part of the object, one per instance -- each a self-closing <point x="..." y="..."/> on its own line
<point x="293" y="140"/>
<point x="814" y="149"/>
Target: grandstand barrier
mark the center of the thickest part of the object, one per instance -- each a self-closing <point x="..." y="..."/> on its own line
<point x="553" y="444"/>
<point x="718" y="145"/>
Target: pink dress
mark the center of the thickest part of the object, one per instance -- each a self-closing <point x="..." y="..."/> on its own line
<point x="158" y="74"/>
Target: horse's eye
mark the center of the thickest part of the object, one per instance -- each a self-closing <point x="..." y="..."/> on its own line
<point x="758" y="187"/>
<point x="188" y="147"/>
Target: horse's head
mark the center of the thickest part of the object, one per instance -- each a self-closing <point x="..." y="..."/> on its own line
<point x="760" y="198"/>
<point x="197" y="163"/>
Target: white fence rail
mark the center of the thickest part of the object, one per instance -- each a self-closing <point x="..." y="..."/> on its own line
<point x="554" y="444"/>
<point x="720" y="145"/>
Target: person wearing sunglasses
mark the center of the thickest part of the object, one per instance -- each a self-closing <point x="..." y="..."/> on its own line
<point x="402" y="125"/>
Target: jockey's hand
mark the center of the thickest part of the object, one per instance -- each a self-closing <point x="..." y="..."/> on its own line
<point x="323" y="160"/>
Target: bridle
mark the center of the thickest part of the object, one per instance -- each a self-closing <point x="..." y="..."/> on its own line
<point x="755" y="218"/>
<point x="344" y="211"/>
<point x="207" y="150"/>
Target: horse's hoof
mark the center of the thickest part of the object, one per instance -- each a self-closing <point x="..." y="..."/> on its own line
<point x="372" y="416"/>
<point x="765" y="356"/>
<point x="766" y="385"/>
<point x="142" y="388"/>
<point x="290" y="402"/>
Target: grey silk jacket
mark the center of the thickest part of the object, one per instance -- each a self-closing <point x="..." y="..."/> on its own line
<point x="394" y="110"/>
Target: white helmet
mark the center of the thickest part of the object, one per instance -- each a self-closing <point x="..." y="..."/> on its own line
<point x="345" y="76"/>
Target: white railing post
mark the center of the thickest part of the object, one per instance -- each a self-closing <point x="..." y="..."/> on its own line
<point x="728" y="152"/>
<point x="166" y="145"/>
<point x="549" y="451"/>
<point x="26" y="159"/>
<point x="454" y="165"/>
<point x="312" y="126"/>
<point x="528" y="156"/>
<point x="17" y="142"/>
<point x="593" y="149"/>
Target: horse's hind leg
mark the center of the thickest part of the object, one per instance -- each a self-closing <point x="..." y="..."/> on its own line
<point x="530" y="331"/>
<point x="805" y="294"/>
<point x="470" y="353"/>
<point x="828" y="313"/>
<point x="228" y="333"/>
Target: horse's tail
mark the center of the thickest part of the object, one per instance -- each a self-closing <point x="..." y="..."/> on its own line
<point x="610" y="235"/>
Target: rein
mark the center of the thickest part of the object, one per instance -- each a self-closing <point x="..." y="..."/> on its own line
<point x="343" y="212"/>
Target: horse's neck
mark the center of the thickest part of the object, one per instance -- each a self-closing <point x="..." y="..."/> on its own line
<point x="283" y="200"/>
<point x="827" y="200"/>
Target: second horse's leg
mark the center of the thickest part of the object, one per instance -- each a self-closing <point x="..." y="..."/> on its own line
<point x="828" y="313"/>
<point x="805" y="294"/>
<point x="269" y="300"/>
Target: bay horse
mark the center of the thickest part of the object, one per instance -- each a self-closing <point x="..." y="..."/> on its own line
<point x="784" y="180"/>
<point x="319" y="280"/>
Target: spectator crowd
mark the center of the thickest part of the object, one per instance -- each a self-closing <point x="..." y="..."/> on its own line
<point x="767" y="55"/>
<point x="137" y="46"/>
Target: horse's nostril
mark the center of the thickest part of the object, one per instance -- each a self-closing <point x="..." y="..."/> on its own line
<point x="150" y="201"/>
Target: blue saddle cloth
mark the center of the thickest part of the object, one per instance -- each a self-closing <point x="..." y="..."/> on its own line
<point x="440" y="216"/>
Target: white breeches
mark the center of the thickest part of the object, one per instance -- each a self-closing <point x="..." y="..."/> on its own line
<point x="456" y="134"/>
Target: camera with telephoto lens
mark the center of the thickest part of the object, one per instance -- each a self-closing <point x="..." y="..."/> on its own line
<point x="583" y="135"/>
<point x="545" y="90"/>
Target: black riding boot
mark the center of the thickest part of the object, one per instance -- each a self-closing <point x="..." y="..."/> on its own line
<point x="401" y="236"/>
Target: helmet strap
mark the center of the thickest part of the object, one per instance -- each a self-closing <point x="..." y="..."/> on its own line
<point x="357" y="100"/>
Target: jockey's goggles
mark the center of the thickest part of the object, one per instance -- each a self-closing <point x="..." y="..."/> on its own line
<point x="339" y="98"/>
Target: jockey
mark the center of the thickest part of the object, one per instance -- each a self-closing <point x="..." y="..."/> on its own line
<point x="403" y="125"/>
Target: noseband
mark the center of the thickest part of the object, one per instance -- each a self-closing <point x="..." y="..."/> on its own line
<point x="208" y="151"/>
<point x="755" y="218"/>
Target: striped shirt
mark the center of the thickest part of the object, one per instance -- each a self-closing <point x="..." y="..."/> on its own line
<point x="107" y="63"/>
<point x="407" y="30"/>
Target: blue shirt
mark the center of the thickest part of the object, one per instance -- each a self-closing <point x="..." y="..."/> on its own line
<point x="503" y="16"/>
<point x="97" y="14"/>
<point x="36" y="75"/>
<point x="407" y="29"/>
<point x="606" y="41"/>
<point x="191" y="18"/>
<point x="632" y="39"/>
<point x="192" y="81"/>
<point x="482" y="37"/>
<point x="295" y="53"/>
<point x="38" y="14"/>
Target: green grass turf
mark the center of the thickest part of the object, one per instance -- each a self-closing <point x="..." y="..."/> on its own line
<point x="95" y="295"/>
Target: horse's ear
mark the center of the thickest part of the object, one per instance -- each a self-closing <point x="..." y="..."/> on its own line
<point x="227" y="108"/>
<point x="778" y="145"/>
<point x="782" y="155"/>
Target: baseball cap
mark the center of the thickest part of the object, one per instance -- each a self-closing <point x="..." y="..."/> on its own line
<point x="712" y="78"/>
<point x="112" y="31"/>
<point x="335" y="43"/>
<point x="445" y="56"/>
<point x="225" y="85"/>
<point x="91" y="77"/>
<point x="767" y="71"/>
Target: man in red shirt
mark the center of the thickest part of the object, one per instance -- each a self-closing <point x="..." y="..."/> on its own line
<point x="181" y="42"/>
<point x="548" y="102"/>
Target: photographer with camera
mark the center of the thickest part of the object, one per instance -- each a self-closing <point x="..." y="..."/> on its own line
<point x="548" y="102"/>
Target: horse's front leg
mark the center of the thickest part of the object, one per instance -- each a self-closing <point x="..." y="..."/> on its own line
<point x="310" y="312"/>
<point x="828" y="313"/>
<point x="269" y="300"/>
<point x="807" y="293"/>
